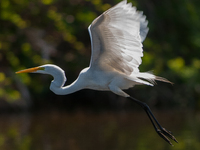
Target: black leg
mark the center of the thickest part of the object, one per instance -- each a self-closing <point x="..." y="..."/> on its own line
<point x="162" y="132"/>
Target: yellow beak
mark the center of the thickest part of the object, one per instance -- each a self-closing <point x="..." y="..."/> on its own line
<point x="30" y="70"/>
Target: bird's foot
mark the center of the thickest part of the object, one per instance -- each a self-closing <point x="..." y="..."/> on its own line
<point x="163" y="133"/>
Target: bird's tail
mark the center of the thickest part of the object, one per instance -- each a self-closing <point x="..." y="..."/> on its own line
<point x="148" y="78"/>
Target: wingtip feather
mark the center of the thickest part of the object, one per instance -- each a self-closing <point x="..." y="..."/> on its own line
<point x="163" y="80"/>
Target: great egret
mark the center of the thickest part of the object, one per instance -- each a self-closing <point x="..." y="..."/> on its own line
<point x="116" y="41"/>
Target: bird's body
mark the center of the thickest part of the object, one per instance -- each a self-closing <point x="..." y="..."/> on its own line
<point x="94" y="79"/>
<point x="116" y="43"/>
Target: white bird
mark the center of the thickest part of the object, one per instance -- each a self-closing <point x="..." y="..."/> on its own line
<point x="116" y="41"/>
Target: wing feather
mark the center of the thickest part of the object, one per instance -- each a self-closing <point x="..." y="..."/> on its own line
<point x="117" y="37"/>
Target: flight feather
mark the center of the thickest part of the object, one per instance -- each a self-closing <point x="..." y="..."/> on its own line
<point x="117" y="37"/>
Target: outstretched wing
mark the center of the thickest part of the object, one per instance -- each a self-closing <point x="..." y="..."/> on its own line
<point x="117" y="37"/>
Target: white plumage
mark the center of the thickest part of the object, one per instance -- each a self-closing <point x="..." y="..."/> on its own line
<point x="116" y="39"/>
<point x="116" y="42"/>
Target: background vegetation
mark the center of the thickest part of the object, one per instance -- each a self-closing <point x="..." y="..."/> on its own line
<point x="37" y="32"/>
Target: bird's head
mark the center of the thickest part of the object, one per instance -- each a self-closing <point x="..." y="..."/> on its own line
<point x="55" y="71"/>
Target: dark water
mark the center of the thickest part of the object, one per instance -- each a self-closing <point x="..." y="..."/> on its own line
<point x="97" y="131"/>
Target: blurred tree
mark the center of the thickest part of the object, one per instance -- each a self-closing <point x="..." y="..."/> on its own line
<point x="36" y="32"/>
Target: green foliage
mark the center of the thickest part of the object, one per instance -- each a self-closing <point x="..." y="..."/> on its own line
<point x="171" y="48"/>
<point x="36" y="32"/>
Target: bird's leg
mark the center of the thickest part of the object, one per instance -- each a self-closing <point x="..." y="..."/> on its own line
<point x="162" y="132"/>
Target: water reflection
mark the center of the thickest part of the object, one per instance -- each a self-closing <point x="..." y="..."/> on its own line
<point x="97" y="131"/>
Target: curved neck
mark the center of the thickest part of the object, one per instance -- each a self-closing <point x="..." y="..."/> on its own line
<point x="59" y="81"/>
<point x="59" y="90"/>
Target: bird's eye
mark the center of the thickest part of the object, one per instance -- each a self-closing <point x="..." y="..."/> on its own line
<point x="41" y="68"/>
